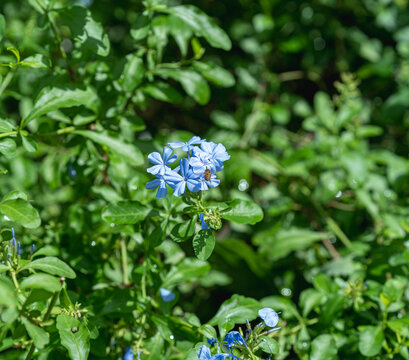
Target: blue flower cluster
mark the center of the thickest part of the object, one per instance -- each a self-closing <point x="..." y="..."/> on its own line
<point x="268" y="315"/>
<point x="197" y="172"/>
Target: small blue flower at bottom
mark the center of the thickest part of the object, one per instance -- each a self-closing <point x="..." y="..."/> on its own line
<point x="167" y="295"/>
<point x="269" y="316"/>
<point x="204" y="354"/>
<point x="203" y="223"/>
<point x="233" y="337"/>
<point x="129" y="355"/>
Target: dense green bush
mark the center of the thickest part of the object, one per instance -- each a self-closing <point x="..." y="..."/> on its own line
<point x="310" y="100"/>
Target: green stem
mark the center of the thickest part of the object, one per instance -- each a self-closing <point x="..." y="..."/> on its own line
<point x="6" y="81"/>
<point x="124" y="256"/>
<point x="8" y="134"/>
<point x="332" y="224"/>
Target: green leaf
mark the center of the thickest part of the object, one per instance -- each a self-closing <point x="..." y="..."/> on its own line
<point x="194" y="85"/>
<point x="323" y="347"/>
<point x="125" y="151"/>
<point x="283" y="242"/>
<point x="36" y="61"/>
<point x="163" y="91"/>
<point x="133" y="73"/>
<point x="3" y="268"/>
<point x="269" y="345"/>
<point x="7" y="291"/>
<point x="125" y="212"/>
<point x="203" y="244"/>
<point x="29" y="144"/>
<point x="243" y="212"/>
<point x="74" y="337"/>
<point x="309" y="299"/>
<point x="370" y="340"/>
<point x="51" y="265"/>
<point x="332" y="308"/>
<point x="8" y="147"/>
<point x="237" y="310"/>
<point x="39" y="336"/>
<point x="155" y="348"/>
<point x="2" y="26"/>
<point x="202" y="25"/>
<point x="53" y="98"/>
<point x="22" y="212"/>
<point x="187" y="269"/>
<point x="140" y="28"/>
<point x="6" y="126"/>
<point x="15" y="52"/>
<point x="87" y="33"/>
<point x="15" y="194"/>
<point x="41" y="281"/>
<point x="214" y="74"/>
<point x="183" y="231"/>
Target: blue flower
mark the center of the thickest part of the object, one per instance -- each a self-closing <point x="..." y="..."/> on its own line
<point x="216" y="152"/>
<point x="186" y="178"/>
<point x="129" y="355"/>
<point x="187" y="146"/>
<point x="201" y="161"/>
<point x="167" y="295"/>
<point x="161" y="182"/>
<point x="269" y="316"/>
<point x="204" y="227"/>
<point x="204" y="354"/>
<point x="161" y="162"/>
<point x="233" y="337"/>
<point x="205" y="184"/>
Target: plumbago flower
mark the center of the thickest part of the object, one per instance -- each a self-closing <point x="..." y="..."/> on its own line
<point x="192" y="176"/>
<point x="247" y="343"/>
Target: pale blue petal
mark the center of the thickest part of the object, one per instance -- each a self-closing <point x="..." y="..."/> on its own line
<point x="172" y="159"/>
<point x="167" y="295"/>
<point x="176" y="145"/>
<point x="167" y="151"/>
<point x="179" y="188"/>
<point x="203" y="222"/>
<point x="195" y="140"/>
<point x="184" y="167"/>
<point x="269" y="316"/>
<point x="162" y="191"/>
<point x="153" y="184"/>
<point x="193" y="185"/>
<point x="155" y="158"/>
<point x="155" y="169"/>
<point x="204" y="353"/>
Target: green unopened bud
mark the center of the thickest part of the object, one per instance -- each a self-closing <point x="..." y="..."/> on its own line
<point x="214" y="221"/>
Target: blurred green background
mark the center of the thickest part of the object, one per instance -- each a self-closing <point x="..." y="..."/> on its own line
<point x="313" y="107"/>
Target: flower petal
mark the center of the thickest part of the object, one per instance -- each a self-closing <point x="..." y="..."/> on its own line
<point x="204" y="353"/>
<point x="184" y="167"/>
<point x="269" y="316"/>
<point x="167" y="295"/>
<point x="195" y="140"/>
<point x="155" y="158"/>
<point x="179" y="188"/>
<point x="176" y="145"/>
<point x="203" y="223"/>
<point x="155" y="169"/>
<point x="167" y="151"/>
<point x="162" y="191"/>
<point x="153" y="184"/>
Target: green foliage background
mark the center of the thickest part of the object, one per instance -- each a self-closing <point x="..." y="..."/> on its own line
<point x="311" y="99"/>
